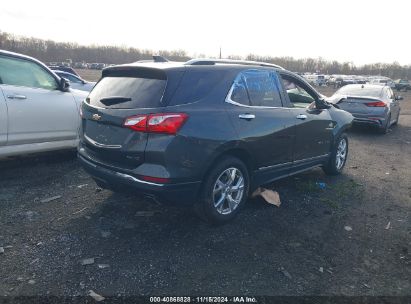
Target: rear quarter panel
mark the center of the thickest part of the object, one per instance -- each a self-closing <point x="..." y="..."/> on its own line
<point x="3" y="119"/>
<point x="204" y="136"/>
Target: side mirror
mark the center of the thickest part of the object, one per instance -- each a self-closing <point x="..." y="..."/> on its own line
<point x="64" y="84"/>
<point x="399" y="98"/>
<point x="321" y="104"/>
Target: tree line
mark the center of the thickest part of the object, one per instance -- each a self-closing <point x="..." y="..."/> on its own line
<point x="51" y="51"/>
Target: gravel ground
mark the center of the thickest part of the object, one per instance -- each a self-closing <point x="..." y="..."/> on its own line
<point x="351" y="238"/>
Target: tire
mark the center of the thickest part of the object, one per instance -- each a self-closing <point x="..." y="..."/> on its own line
<point x="219" y="202"/>
<point x="338" y="158"/>
<point x="397" y="120"/>
<point x="384" y="129"/>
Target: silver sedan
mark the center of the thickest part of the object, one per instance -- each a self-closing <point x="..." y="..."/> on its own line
<point x="373" y="105"/>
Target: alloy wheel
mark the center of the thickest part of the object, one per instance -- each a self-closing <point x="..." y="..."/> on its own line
<point x="341" y="154"/>
<point x="228" y="191"/>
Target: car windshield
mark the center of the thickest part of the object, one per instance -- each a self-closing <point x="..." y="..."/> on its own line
<point x="360" y="91"/>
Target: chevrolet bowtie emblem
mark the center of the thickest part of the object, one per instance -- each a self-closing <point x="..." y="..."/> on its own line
<point x="96" y="117"/>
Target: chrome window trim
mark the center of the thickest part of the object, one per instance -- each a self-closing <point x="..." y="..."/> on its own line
<point x="229" y="100"/>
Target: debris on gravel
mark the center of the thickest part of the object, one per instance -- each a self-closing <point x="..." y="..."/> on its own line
<point x="145" y="213"/>
<point x="87" y="261"/>
<point x="96" y="296"/>
<point x="270" y="196"/>
<point x="105" y="234"/>
<point x="50" y="199"/>
<point x="285" y="272"/>
<point x="388" y="226"/>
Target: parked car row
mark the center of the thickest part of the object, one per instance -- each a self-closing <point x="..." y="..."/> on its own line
<point x="338" y="81"/>
<point x="66" y="66"/>
<point x="171" y="129"/>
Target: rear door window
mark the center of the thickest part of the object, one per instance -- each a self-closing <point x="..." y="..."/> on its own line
<point x="258" y="88"/>
<point x="239" y="92"/>
<point x="127" y="93"/>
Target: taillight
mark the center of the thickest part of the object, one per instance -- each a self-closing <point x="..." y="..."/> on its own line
<point x="136" y="123"/>
<point x="168" y="123"/>
<point x="376" y="104"/>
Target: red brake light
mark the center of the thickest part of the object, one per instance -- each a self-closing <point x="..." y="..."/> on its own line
<point x="376" y="104"/>
<point x="168" y="123"/>
<point x="136" y="123"/>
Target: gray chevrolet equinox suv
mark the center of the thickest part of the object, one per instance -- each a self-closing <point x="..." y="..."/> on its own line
<point x="207" y="132"/>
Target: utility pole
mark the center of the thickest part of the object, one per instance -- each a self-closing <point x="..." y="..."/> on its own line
<point x="220" y="52"/>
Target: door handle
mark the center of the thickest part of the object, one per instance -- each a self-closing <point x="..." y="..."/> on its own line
<point x="246" y="116"/>
<point x="16" y="96"/>
<point x="301" y="116"/>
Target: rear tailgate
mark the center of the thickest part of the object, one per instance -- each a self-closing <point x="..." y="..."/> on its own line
<point x="358" y="105"/>
<point x="122" y="92"/>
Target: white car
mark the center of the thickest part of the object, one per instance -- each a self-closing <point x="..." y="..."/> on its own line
<point x="383" y="81"/>
<point x="76" y="82"/>
<point x="38" y="110"/>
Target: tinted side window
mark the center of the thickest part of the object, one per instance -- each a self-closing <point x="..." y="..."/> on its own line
<point x="297" y="94"/>
<point x="262" y="88"/>
<point x="256" y="88"/>
<point x="20" y="72"/>
<point x="196" y="85"/>
<point x="239" y="92"/>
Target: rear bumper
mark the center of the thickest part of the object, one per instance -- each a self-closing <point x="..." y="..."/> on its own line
<point x="367" y="121"/>
<point x="113" y="179"/>
<point x="371" y="119"/>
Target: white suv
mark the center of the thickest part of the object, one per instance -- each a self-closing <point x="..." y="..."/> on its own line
<point x="38" y="110"/>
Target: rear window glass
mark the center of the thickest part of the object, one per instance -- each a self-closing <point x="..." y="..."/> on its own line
<point x="127" y="93"/>
<point x="359" y="91"/>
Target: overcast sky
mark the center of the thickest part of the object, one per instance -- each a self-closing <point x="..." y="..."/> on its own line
<point x="361" y="31"/>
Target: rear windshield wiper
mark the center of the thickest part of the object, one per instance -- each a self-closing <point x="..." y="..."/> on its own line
<point x="108" y="101"/>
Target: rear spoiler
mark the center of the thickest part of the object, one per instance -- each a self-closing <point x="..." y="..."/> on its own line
<point x="134" y="71"/>
<point x="346" y="97"/>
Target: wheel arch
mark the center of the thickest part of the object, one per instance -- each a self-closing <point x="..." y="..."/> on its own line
<point x="238" y="152"/>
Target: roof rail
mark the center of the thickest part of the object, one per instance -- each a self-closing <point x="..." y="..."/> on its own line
<point x="230" y="61"/>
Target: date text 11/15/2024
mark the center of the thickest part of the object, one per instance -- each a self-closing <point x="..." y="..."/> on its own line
<point x="203" y="300"/>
